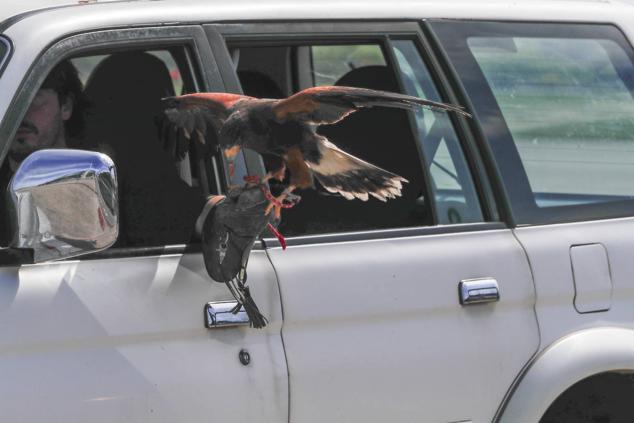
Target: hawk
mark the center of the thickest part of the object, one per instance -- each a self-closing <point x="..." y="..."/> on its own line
<point x="287" y="128"/>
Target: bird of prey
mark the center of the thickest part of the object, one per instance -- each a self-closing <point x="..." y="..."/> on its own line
<point x="287" y="128"/>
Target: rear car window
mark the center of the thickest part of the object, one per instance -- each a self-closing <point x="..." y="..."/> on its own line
<point x="570" y="111"/>
<point x="555" y="105"/>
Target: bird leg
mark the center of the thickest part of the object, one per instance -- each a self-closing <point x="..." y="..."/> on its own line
<point x="278" y="174"/>
<point x="285" y="200"/>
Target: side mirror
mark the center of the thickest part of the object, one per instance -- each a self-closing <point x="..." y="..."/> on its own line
<point x="64" y="203"/>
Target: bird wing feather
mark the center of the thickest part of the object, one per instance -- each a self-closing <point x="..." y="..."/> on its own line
<point x="199" y="115"/>
<point x="329" y="104"/>
<point x="342" y="173"/>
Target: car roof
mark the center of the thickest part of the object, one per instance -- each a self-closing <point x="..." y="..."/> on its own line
<point x="14" y="10"/>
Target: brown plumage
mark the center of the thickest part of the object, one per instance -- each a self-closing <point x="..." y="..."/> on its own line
<point x="287" y="128"/>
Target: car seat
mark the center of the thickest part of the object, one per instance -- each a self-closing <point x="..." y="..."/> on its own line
<point x="380" y="136"/>
<point x="156" y="206"/>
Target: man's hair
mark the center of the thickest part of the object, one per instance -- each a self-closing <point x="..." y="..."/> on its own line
<point x="64" y="80"/>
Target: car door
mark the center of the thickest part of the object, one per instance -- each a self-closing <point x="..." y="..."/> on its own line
<point x="120" y="335"/>
<point x="557" y="105"/>
<point x="374" y="329"/>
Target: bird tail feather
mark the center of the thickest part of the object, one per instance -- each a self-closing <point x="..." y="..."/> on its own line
<point x="351" y="177"/>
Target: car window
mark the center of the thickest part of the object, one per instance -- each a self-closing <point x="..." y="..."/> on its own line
<point x="86" y="64"/>
<point x="570" y="111"/>
<point x="455" y="193"/>
<point x="161" y="194"/>
<point x="385" y="137"/>
<point x="161" y="191"/>
<point x="554" y="104"/>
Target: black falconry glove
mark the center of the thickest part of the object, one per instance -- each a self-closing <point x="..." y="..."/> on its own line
<point x="229" y="227"/>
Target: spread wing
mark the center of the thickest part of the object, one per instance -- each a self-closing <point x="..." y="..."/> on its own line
<point x="328" y="105"/>
<point x="199" y="115"/>
<point x="351" y="177"/>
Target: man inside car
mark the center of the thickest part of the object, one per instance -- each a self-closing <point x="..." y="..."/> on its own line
<point x="55" y="119"/>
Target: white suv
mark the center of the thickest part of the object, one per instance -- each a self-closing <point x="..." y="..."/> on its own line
<point x="500" y="287"/>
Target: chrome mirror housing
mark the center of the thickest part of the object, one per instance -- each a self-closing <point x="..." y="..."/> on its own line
<point x="64" y="203"/>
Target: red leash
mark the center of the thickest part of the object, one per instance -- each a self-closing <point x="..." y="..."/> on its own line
<point x="278" y="235"/>
<point x="269" y="196"/>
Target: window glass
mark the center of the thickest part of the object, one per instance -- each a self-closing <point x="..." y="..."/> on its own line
<point x="455" y="193"/>
<point x="568" y="105"/>
<point x="381" y="136"/>
<point x="388" y="138"/>
<point x="85" y="65"/>
<point x="118" y="100"/>
<point x="332" y="62"/>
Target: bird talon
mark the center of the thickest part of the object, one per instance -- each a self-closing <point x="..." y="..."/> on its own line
<point x="276" y="207"/>
<point x="292" y="199"/>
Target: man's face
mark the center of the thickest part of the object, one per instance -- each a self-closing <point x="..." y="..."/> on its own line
<point x="43" y="125"/>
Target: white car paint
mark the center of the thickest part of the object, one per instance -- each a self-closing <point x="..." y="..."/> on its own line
<point x="124" y="340"/>
<point x="373" y="330"/>
<point x="135" y="325"/>
<point x="570" y="359"/>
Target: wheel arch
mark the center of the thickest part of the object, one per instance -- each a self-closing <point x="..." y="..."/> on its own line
<point x="562" y="364"/>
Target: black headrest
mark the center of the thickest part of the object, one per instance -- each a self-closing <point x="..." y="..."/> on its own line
<point x="125" y="91"/>
<point x="374" y="77"/>
<point x="138" y="77"/>
<point x="258" y="84"/>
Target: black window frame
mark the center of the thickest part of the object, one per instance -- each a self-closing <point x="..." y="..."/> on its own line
<point x="6" y="54"/>
<point x="339" y="32"/>
<point x="506" y="166"/>
<point x="205" y="70"/>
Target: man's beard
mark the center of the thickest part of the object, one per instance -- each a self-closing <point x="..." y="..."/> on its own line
<point x="22" y="149"/>
<point x="21" y="154"/>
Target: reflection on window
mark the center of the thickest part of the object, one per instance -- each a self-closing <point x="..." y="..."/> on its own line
<point x="569" y="108"/>
<point x="455" y="193"/>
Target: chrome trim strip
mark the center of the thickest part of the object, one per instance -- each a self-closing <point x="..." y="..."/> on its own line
<point x="384" y="234"/>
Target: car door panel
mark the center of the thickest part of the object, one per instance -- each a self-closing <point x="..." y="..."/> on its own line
<point x="124" y="340"/>
<point x="374" y="330"/>
<point x="121" y="336"/>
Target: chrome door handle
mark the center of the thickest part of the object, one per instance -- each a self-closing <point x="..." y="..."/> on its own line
<point x="475" y="291"/>
<point x="219" y="314"/>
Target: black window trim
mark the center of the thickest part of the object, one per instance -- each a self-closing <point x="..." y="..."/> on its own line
<point x="7" y="54"/>
<point x="107" y="40"/>
<point x="511" y="181"/>
<point x="284" y="33"/>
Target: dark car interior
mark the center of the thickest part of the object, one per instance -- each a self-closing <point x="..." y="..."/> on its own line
<point x="274" y="72"/>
